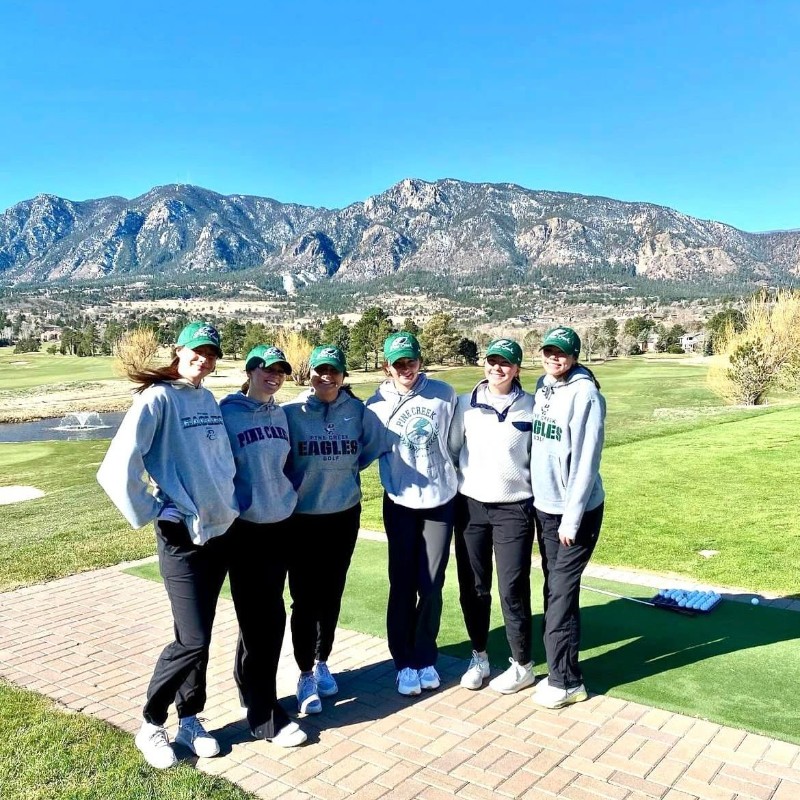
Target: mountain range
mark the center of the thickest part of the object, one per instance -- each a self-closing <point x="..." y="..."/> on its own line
<point x="447" y="227"/>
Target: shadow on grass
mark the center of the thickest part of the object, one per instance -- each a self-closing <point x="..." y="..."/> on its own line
<point x="737" y="666"/>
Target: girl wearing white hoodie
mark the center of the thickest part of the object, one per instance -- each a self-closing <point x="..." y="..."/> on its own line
<point x="568" y="427"/>
<point x="170" y="462"/>
<point x="420" y="483"/>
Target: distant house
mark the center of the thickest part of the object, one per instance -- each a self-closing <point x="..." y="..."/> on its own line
<point x="693" y="342"/>
<point x="649" y="344"/>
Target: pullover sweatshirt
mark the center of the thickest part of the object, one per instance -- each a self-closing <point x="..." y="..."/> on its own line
<point x="171" y="449"/>
<point x="330" y="444"/>
<point x="259" y="437"/>
<point x="493" y="448"/>
<point x="568" y="428"/>
<point x="416" y="468"/>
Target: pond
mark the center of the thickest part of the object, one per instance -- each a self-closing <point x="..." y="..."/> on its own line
<point x="72" y="427"/>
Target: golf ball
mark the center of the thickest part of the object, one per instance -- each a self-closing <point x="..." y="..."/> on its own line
<point x="754" y="601"/>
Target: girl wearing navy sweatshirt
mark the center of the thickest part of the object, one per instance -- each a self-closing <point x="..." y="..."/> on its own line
<point x="332" y="439"/>
<point x="170" y="462"/>
<point x="259" y="540"/>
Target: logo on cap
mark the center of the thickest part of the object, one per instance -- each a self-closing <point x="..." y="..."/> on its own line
<point x="400" y="342"/>
<point x="207" y="332"/>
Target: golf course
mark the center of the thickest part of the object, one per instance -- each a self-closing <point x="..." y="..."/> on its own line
<point x="695" y="491"/>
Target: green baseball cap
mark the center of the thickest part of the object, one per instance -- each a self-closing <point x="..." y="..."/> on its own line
<point x="507" y="348"/>
<point x="565" y="339"/>
<point x="196" y="334"/>
<point x="265" y="355"/>
<point x="401" y="345"/>
<point x="328" y="354"/>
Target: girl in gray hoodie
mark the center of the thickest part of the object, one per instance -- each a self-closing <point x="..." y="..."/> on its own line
<point x="568" y="426"/>
<point x="170" y="462"/>
<point x="259" y="545"/>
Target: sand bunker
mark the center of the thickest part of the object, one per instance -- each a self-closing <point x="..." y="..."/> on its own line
<point x="16" y="494"/>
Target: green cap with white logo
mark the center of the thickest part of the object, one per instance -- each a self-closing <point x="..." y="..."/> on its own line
<point x="196" y="334"/>
<point x="507" y="348"/>
<point x="401" y="345"/>
<point x="565" y="339"/>
<point x="328" y="354"/>
<point x="265" y="355"/>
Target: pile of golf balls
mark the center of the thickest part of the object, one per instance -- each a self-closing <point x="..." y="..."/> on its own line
<point x="695" y="600"/>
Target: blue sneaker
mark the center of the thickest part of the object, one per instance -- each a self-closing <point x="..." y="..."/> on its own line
<point x="326" y="683"/>
<point x="408" y="682"/>
<point x="308" y="701"/>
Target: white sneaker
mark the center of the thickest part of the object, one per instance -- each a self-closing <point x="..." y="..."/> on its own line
<point x="308" y="701"/>
<point x="429" y="678"/>
<point x="408" y="682"/>
<point x="549" y="696"/>
<point x="153" y="743"/>
<point x="477" y="672"/>
<point x="516" y="677"/>
<point x="193" y="735"/>
<point x="326" y="683"/>
<point x="290" y="735"/>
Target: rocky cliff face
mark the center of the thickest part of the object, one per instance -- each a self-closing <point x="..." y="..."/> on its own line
<point x="447" y="226"/>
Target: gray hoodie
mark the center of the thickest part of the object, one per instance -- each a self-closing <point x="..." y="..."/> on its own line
<point x="568" y="428"/>
<point x="259" y="437"/>
<point x="330" y="444"/>
<point x="416" y="469"/>
<point x="171" y="449"/>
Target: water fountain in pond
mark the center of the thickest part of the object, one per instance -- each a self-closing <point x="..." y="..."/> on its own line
<point x="81" y="421"/>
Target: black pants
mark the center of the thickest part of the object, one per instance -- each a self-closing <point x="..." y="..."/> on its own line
<point x="321" y="549"/>
<point x="563" y="567"/>
<point x="258" y="565"/>
<point x="193" y="576"/>
<point x="506" y="528"/>
<point x="419" y="548"/>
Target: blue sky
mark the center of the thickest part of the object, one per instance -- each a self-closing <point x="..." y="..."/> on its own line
<point x="694" y="105"/>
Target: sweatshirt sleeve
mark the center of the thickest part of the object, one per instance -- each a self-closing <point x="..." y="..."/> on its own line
<point x="373" y="439"/>
<point x="586" y="438"/>
<point x="455" y="440"/>
<point x="122" y="474"/>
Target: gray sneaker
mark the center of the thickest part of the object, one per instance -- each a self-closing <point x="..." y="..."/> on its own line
<point x="516" y="677"/>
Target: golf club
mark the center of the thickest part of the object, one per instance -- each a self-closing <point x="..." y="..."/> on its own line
<point x="686" y="612"/>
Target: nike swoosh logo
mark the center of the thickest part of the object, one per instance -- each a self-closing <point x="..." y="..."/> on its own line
<point x="347" y="419"/>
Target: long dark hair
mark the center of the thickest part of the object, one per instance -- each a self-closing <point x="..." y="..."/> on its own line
<point x="591" y="374"/>
<point x="149" y="377"/>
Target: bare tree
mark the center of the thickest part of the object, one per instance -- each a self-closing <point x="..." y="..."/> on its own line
<point x="762" y="355"/>
<point x="136" y="350"/>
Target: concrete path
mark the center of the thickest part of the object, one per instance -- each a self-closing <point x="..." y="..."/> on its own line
<point x="90" y="642"/>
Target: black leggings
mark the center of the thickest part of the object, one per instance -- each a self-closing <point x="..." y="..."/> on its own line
<point x="258" y="565"/>
<point x="320" y="552"/>
<point x="562" y="567"/>
<point x="193" y="576"/>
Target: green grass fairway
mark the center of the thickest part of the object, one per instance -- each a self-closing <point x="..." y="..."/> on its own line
<point x="73" y="527"/>
<point x="48" y="754"/>
<point x="732" y="487"/>
<point x="736" y="666"/>
<point x="34" y="370"/>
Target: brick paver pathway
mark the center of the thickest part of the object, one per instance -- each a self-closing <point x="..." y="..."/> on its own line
<point x="90" y="641"/>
